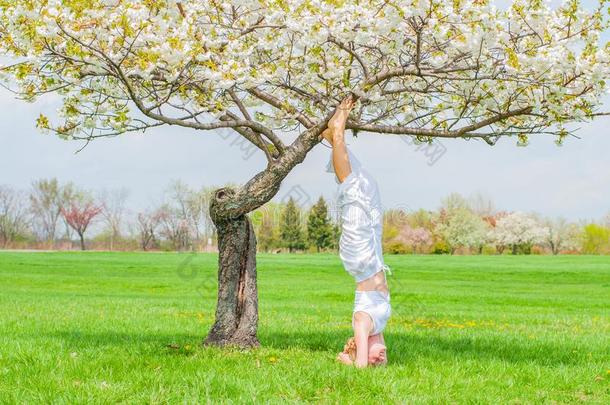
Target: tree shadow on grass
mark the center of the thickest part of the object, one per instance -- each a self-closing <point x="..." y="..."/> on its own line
<point x="128" y="340"/>
<point x="405" y="348"/>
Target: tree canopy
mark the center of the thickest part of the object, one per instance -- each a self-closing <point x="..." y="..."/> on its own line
<point x="426" y="68"/>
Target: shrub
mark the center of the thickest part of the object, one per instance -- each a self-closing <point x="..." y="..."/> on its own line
<point x="595" y="239"/>
<point x="441" y="248"/>
<point x="489" y="250"/>
<point x="395" y="248"/>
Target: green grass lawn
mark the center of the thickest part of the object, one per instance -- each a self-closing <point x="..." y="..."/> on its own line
<point x="127" y="327"/>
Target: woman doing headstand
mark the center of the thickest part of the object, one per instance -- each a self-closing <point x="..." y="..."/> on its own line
<point x="360" y="246"/>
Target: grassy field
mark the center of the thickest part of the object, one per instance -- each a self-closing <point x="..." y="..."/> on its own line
<point x="126" y="328"/>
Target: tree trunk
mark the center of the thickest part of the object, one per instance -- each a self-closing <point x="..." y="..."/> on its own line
<point x="82" y="241"/>
<point x="237" y="307"/>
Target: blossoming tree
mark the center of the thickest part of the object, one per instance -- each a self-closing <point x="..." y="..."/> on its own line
<point x="79" y="215"/>
<point x="274" y="70"/>
<point x="518" y="229"/>
<point x="463" y="228"/>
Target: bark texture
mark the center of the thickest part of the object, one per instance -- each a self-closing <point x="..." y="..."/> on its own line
<point x="237" y="307"/>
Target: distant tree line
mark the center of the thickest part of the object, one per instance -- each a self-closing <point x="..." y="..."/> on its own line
<point x="473" y="226"/>
<point x="54" y="215"/>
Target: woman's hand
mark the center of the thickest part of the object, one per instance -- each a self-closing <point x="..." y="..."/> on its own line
<point x="345" y="359"/>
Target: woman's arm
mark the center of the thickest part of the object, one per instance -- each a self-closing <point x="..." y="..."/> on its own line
<point x="362" y="327"/>
<point x="335" y="134"/>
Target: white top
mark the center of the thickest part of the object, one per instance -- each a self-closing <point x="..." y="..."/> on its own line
<point x="361" y="222"/>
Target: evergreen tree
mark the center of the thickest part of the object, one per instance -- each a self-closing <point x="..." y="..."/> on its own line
<point x="319" y="229"/>
<point x="267" y="234"/>
<point x="290" y="227"/>
<point x="336" y="236"/>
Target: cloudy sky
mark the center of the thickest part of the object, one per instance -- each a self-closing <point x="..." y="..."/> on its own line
<point x="572" y="181"/>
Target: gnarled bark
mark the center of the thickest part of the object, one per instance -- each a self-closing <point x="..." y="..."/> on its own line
<point x="237" y="307"/>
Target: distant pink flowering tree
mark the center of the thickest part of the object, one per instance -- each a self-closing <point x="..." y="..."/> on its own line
<point x="417" y="238"/>
<point x="79" y="216"/>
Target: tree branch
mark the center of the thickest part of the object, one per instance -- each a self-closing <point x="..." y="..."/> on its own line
<point x="466" y="131"/>
<point x="353" y="53"/>
<point x="283" y="106"/>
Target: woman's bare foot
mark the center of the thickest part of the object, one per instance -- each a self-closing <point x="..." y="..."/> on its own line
<point x="338" y="120"/>
<point x="336" y="125"/>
